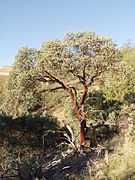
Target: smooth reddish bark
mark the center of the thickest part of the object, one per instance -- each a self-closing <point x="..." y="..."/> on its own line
<point x="83" y="122"/>
<point x="75" y="105"/>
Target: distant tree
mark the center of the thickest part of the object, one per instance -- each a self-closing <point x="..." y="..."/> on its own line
<point x="119" y="85"/>
<point x="128" y="53"/>
<point x="81" y="57"/>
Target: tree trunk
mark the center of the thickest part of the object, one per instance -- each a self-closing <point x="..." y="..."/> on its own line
<point x="83" y="122"/>
<point x="75" y="104"/>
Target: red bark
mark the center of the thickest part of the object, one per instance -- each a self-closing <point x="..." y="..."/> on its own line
<point x="83" y="122"/>
<point x="83" y="126"/>
<point x="76" y="108"/>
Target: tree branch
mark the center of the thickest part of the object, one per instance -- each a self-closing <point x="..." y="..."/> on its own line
<point x="77" y="75"/>
<point x="56" y="80"/>
<point x="75" y="93"/>
<point x="51" y="89"/>
<point x="95" y="76"/>
<point x="84" y="75"/>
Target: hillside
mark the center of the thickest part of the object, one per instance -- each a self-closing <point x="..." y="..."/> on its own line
<point x="39" y="133"/>
<point x="4" y="70"/>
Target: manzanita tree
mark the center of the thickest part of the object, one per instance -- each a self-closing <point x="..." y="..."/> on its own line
<point x="81" y="57"/>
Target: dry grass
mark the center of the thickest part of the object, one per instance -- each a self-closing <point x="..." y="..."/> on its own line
<point x="116" y="166"/>
<point x="121" y="164"/>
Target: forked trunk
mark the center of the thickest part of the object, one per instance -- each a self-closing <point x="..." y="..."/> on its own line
<point x="82" y="120"/>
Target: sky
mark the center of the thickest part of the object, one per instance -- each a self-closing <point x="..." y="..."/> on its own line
<point x="32" y="22"/>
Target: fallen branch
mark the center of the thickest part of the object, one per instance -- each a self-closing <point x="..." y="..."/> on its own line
<point x="43" y="137"/>
<point x="66" y="167"/>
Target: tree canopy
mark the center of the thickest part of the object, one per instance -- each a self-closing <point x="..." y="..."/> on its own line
<point x="82" y="55"/>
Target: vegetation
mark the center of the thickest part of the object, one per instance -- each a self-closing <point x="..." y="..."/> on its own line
<point x="51" y="95"/>
<point x="2" y="83"/>
<point x="81" y="57"/>
<point x="120" y="86"/>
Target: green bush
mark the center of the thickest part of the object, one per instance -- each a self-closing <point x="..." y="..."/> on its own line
<point x="27" y="131"/>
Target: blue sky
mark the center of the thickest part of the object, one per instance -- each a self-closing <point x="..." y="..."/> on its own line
<point x="31" y="22"/>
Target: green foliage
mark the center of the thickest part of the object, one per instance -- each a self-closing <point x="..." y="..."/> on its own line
<point x="21" y="87"/>
<point x="77" y="50"/>
<point x="126" y="119"/>
<point x="128" y="53"/>
<point x="94" y="52"/>
<point x="95" y="106"/>
<point x="51" y="58"/>
<point x="117" y="86"/>
<point x="2" y="84"/>
<point x="98" y="108"/>
<point x="120" y="86"/>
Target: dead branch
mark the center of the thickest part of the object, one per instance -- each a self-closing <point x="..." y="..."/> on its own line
<point x="71" y="132"/>
<point x="43" y="137"/>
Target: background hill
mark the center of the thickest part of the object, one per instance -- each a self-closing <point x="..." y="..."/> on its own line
<point x="4" y="70"/>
